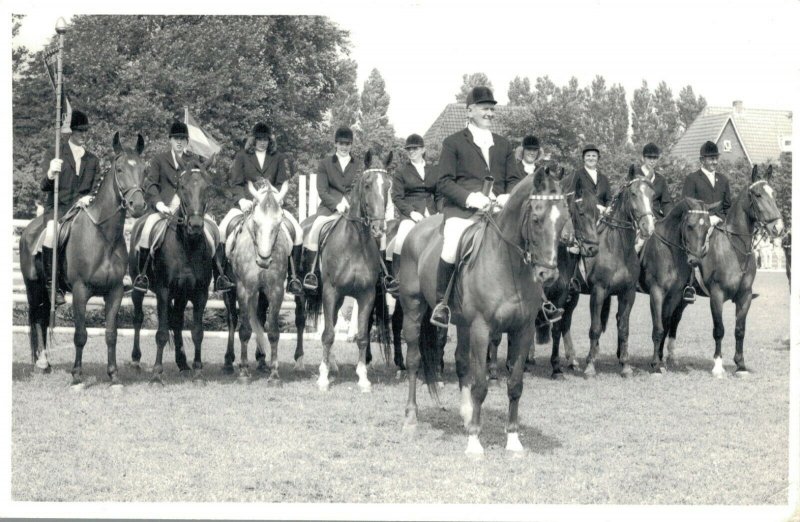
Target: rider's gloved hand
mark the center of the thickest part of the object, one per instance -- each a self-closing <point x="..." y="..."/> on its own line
<point x="163" y="208"/>
<point x="245" y="204"/>
<point x="342" y="207"/>
<point x="55" y="168"/>
<point x="478" y="200"/>
<point x="715" y="220"/>
<point x="502" y="199"/>
<point x="83" y="202"/>
<point x="416" y="216"/>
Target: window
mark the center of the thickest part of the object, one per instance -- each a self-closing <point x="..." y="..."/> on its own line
<point x="785" y="143"/>
<point x="726" y="145"/>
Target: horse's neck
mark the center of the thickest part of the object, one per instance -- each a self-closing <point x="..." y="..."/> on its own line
<point x="105" y="208"/>
<point x="509" y="221"/>
<point x="670" y="227"/>
<point x="619" y="216"/>
<point x="738" y="221"/>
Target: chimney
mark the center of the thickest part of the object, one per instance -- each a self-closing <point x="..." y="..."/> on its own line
<point x="738" y="106"/>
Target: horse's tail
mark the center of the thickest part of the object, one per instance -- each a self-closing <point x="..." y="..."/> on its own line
<point x="314" y="304"/>
<point x="428" y="353"/>
<point x="604" y="313"/>
<point x="542" y="329"/>
<point x="380" y="318"/>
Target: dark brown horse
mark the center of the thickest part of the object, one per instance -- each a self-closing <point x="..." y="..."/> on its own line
<point x="349" y="264"/>
<point x="729" y="268"/>
<point x="93" y="260"/>
<point x="498" y="290"/>
<point x="258" y="253"/>
<point x="584" y="212"/>
<point x="677" y="245"/>
<point x="179" y="271"/>
<point x="615" y="269"/>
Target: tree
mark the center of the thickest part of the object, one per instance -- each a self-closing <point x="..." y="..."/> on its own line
<point x="666" y="112"/>
<point x="470" y="81"/>
<point x="519" y="92"/>
<point x="374" y="127"/>
<point x="231" y="71"/>
<point x="644" y="121"/>
<point x="347" y="102"/>
<point x="689" y="107"/>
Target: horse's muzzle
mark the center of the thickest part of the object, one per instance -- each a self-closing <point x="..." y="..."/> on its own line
<point x="137" y="207"/>
<point x="775" y="228"/>
<point x="264" y="262"/>
<point x="195" y="224"/>
<point x="588" y="250"/>
<point x="545" y="275"/>
<point x="693" y="260"/>
<point x="377" y="228"/>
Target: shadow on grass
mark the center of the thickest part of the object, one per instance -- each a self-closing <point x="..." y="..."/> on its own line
<point x="493" y="429"/>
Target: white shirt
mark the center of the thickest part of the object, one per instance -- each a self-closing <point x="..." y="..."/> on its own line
<point x="175" y="159"/>
<point x="592" y="174"/>
<point x="710" y="175"/>
<point x="420" y="168"/>
<point x="529" y="167"/>
<point x="343" y="161"/>
<point x="77" y="153"/>
<point x="261" y="156"/>
<point x="482" y="138"/>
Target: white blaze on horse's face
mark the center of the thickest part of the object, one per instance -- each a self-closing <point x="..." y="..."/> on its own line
<point x="555" y="217"/>
<point x="266" y="223"/>
<point x="650" y="220"/>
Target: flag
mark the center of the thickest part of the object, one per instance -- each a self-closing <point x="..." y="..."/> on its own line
<point x="200" y="142"/>
<point x="50" y="64"/>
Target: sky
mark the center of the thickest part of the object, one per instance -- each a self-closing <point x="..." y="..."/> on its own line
<point x="725" y="50"/>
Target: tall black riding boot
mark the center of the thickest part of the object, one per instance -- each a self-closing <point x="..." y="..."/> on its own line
<point x="47" y="265"/>
<point x="310" y="281"/>
<point x="221" y="281"/>
<point x="293" y="283"/>
<point x="141" y="282"/>
<point x="441" y="312"/>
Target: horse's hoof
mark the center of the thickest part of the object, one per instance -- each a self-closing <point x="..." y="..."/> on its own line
<point x="135" y="366"/>
<point x="42" y="370"/>
<point x="157" y="379"/>
<point x="474" y="448"/>
<point x="77" y="386"/>
<point x="589" y="371"/>
<point x="299" y="366"/>
<point x="185" y="373"/>
<point x="558" y="376"/>
<point x="323" y="386"/>
<point x="719" y="374"/>
<point x="243" y="378"/>
<point x="742" y="374"/>
<point x="440" y="385"/>
<point x="514" y="445"/>
<point x="626" y="372"/>
<point x="365" y="388"/>
<point x="574" y="366"/>
<point x="227" y="369"/>
<point x="494" y="382"/>
<point x="117" y="387"/>
<point x="262" y="368"/>
<point x="656" y="372"/>
<point x="410" y="427"/>
<point x="274" y="382"/>
<point x="400" y="375"/>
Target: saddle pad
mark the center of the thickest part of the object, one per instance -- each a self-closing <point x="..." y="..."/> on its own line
<point x="325" y="230"/>
<point x="390" y="249"/>
<point x="470" y="241"/>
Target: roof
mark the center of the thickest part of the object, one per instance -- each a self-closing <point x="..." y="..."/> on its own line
<point x="454" y="118"/>
<point x="759" y="130"/>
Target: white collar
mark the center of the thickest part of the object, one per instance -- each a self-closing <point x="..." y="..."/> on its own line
<point x="480" y="136"/>
<point x="709" y="175"/>
<point x="76" y="148"/>
<point x="529" y="167"/>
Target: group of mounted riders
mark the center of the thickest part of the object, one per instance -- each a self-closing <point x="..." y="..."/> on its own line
<point x="418" y="189"/>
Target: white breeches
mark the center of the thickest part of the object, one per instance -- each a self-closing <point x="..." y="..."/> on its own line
<point x="152" y="219"/>
<point x="235" y="211"/>
<point x="402" y="231"/>
<point x="454" y="228"/>
<point x="312" y="242"/>
<point x="49" y="233"/>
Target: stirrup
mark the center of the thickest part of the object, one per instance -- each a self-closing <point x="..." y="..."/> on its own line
<point x="60" y="300"/>
<point x="391" y="285"/>
<point x="689" y="294"/>
<point x="551" y="312"/>
<point x="223" y="284"/>
<point x="310" y="281"/>
<point x="295" y="286"/>
<point x="141" y="283"/>
<point x="575" y="285"/>
<point x="441" y="315"/>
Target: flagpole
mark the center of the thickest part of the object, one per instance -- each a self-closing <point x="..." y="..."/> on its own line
<point x="61" y="29"/>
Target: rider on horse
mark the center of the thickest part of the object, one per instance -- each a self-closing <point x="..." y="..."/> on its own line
<point x="591" y="179"/>
<point x="531" y="151"/>
<point x="662" y="200"/>
<point x="468" y="157"/>
<point x="77" y="172"/>
<point x="258" y="161"/>
<point x="336" y="176"/>
<point x="161" y="184"/>
<point x="413" y="191"/>
<point x="711" y="188"/>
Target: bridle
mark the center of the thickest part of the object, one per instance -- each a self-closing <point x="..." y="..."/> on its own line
<point x="580" y="241"/>
<point x="183" y="219"/>
<point x="123" y="193"/>
<point x="364" y="217"/>
<point x="757" y="217"/>
<point x="633" y="216"/>
<point x="683" y="246"/>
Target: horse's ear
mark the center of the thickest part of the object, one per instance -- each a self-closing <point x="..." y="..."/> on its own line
<point x="116" y="144"/>
<point x="367" y="159"/>
<point x="388" y="159"/>
<point x="207" y="164"/>
<point x="769" y="173"/>
<point x="631" y="171"/>
<point x="754" y="175"/>
<point x="539" y="179"/>
<point x="139" y="144"/>
<point x="560" y="174"/>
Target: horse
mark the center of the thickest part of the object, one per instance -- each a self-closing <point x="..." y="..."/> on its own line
<point x="584" y="212"/>
<point x="786" y="245"/>
<point x="92" y="262"/>
<point x="257" y="251"/>
<point x="349" y="265"/>
<point x="729" y="267"/>
<point x="180" y="271"/>
<point x="614" y="270"/>
<point x="677" y="245"/>
<point x="499" y="289"/>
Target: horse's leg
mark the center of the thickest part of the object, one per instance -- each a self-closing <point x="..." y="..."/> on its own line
<point x="672" y="331"/>
<point x="478" y="341"/>
<point x="300" y="326"/>
<point x="137" y="298"/>
<point x="555" y="359"/>
<point x="625" y="302"/>
<point x="519" y="344"/>
<point x="113" y="300"/>
<point x="176" y="312"/>
<point x="261" y="348"/>
<point x="462" y="372"/>
<point x="248" y="304"/>
<point x="80" y="295"/>
<point x="742" y="308"/>
<point x="162" y="333"/>
<point x="566" y="332"/>
<point x="411" y="328"/>
<point x="232" y="318"/>
<point x="491" y="358"/>
<point x="397" y="331"/>
<point x="365" y="303"/>
<point x="199" y="301"/>
<point x="331" y="302"/>
<point x="717" y="299"/>
<point x="657" y="334"/>
<point x="274" y="333"/>
<point x="595" y="306"/>
<point x="38" y="318"/>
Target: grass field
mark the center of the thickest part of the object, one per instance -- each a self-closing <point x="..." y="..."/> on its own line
<point x="685" y="438"/>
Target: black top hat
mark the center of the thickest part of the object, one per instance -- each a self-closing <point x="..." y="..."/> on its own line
<point x="480" y="94"/>
<point x="415" y="140"/>
<point x="651" y="150"/>
<point x="343" y="134"/>
<point x="261" y="131"/>
<point x="709" y="150"/>
<point x="589" y="148"/>
<point x="530" y="143"/>
<point x="79" y="121"/>
<point x="179" y="130"/>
